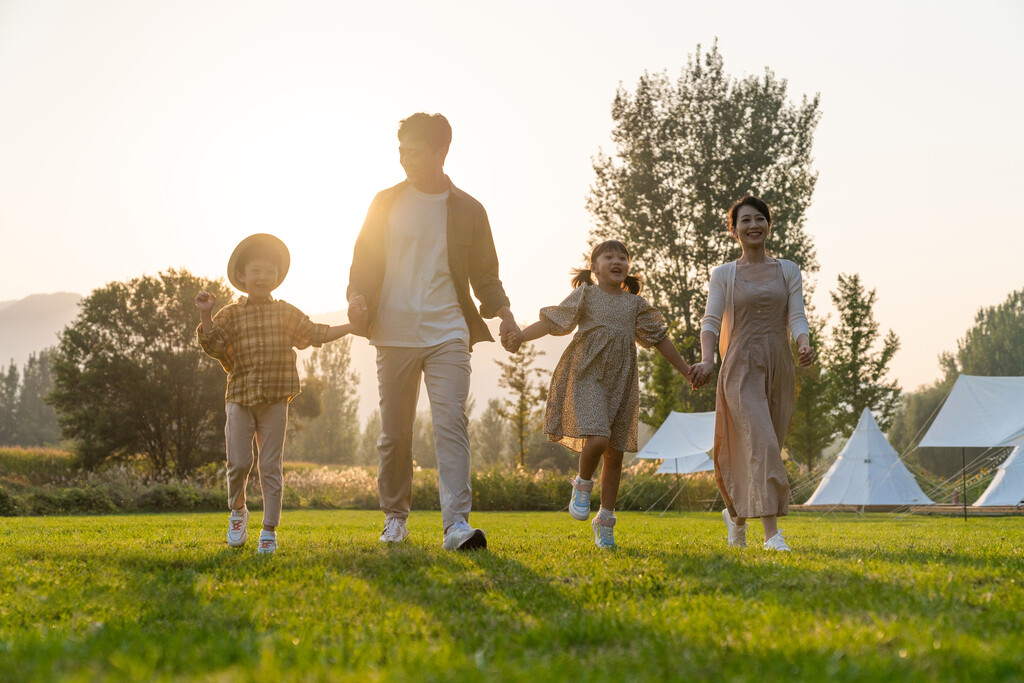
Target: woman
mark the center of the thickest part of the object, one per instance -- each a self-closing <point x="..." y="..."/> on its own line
<point x="750" y="302"/>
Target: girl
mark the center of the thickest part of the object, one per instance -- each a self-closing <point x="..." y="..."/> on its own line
<point x="594" y="400"/>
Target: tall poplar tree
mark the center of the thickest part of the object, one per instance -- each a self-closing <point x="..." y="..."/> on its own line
<point x="685" y="150"/>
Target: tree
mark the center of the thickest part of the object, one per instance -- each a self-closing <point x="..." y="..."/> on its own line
<point x="37" y="420"/>
<point x="9" y="404"/>
<point x="424" y="446"/>
<point x="368" y="442"/>
<point x="813" y="426"/>
<point x="333" y="435"/>
<point x="856" y="370"/>
<point x="685" y="151"/>
<point x="994" y="346"/>
<point x="527" y="392"/>
<point x="130" y="378"/>
<point x="488" y="437"/>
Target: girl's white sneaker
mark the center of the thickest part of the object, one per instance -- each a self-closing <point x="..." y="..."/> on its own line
<point x="579" y="501"/>
<point x="604" y="531"/>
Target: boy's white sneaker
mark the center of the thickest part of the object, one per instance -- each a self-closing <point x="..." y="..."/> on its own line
<point x="461" y="536"/>
<point x="268" y="543"/>
<point x="737" y="532"/>
<point x="395" y="530"/>
<point x="238" y="528"/>
<point x="579" y="500"/>
<point x="777" y="543"/>
<point x="604" y="531"/>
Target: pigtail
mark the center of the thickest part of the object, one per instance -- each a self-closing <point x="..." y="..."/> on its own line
<point x="633" y="283"/>
<point x="582" y="276"/>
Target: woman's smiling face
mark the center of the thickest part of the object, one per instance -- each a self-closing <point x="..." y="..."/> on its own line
<point x="751" y="227"/>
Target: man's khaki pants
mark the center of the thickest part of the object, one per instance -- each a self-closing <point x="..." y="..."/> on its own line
<point x="267" y="423"/>
<point x="445" y="369"/>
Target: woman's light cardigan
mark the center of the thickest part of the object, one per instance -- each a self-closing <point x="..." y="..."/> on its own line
<point x="719" y="314"/>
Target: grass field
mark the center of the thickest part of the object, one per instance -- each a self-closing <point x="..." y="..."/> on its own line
<point x="876" y="598"/>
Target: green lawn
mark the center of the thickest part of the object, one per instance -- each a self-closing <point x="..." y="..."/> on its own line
<point x="879" y="597"/>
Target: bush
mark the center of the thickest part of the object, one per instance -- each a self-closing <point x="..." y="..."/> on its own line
<point x="70" y="501"/>
<point x="7" y="506"/>
<point x="167" y="498"/>
<point x="47" y="482"/>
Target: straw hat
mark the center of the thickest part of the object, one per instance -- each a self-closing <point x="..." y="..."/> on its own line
<point x="263" y="242"/>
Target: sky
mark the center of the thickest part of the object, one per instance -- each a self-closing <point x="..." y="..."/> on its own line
<point x="141" y="136"/>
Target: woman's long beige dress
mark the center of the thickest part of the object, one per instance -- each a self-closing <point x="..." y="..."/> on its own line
<point x="756" y="395"/>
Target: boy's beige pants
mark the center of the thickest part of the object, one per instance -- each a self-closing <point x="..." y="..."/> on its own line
<point x="445" y="370"/>
<point x="264" y="426"/>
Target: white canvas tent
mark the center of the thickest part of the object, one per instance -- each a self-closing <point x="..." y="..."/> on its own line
<point x="683" y="441"/>
<point x="980" y="412"/>
<point x="985" y="412"/>
<point x="1007" y="487"/>
<point x="868" y="471"/>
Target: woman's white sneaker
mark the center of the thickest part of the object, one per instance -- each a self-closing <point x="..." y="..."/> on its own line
<point x="238" y="528"/>
<point x="777" y="543"/>
<point x="737" y="532"/>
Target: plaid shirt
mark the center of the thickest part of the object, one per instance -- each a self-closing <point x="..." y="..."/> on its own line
<point x="253" y="343"/>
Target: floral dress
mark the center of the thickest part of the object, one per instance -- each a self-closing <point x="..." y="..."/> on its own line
<point x="595" y="389"/>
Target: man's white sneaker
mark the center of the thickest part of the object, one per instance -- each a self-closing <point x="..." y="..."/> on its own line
<point x="777" y="542"/>
<point x="461" y="536"/>
<point x="238" y="528"/>
<point x="737" y="532"/>
<point x="579" y="500"/>
<point x="268" y="543"/>
<point x="604" y="531"/>
<point x="395" y="530"/>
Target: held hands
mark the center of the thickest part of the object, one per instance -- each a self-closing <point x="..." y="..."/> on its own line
<point x="805" y="355"/>
<point x="205" y="302"/>
<point x="357" y="314"/>
<point x="701" y="373"/>
<point x="511" y="335"/>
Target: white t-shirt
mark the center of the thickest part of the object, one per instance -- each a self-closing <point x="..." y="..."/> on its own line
<point x="418" y="306"/>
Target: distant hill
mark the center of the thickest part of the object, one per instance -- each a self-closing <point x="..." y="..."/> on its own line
<point x="32" y="324"/>
<point x="484" y="382"/>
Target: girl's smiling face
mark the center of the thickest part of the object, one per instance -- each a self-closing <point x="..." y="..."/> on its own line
<point x="611" y="268"/>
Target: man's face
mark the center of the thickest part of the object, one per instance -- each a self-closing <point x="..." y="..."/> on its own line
<point x="421" y="162"/>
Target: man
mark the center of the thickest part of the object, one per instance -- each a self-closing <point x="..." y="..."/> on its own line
<point x="422" y="246"/>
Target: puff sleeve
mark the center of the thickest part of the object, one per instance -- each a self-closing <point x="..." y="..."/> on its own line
<point x="651" y="328"/>
<point x="563" y="318"/>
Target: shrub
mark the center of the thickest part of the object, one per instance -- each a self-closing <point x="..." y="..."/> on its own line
<point x="167" y="498"/>
<point x="7" y="506"/>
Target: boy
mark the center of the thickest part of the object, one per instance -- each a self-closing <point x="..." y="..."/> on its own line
<point x="253" y="340"/>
